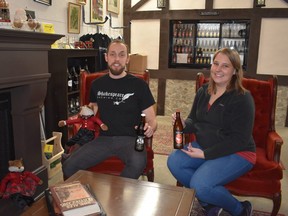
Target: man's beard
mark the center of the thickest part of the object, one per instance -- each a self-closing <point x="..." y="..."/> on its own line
<point x="116" y="72"/>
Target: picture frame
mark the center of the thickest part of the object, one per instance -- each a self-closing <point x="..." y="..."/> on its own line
<point x="96" y="11"/>
<point x="46" y="2"/>
<point x="113" y="6"/>
<point x="74" y="18"/>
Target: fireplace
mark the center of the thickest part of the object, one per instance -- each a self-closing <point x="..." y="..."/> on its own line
<point x="23" y="85"/>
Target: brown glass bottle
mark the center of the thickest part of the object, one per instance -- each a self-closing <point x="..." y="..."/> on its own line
<point x="140" y="139"/>
<point x="178" y="132"/>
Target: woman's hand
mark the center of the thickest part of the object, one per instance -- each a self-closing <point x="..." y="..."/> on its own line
<point x="174" y="118"/>
<point x="194" y="152"/>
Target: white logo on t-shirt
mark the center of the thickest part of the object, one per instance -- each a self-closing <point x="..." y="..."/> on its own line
<point x="125" y="97"/>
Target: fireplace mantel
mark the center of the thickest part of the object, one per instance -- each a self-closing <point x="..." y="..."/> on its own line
<point x="24" y="75"/>
<point x="21" y="52"/>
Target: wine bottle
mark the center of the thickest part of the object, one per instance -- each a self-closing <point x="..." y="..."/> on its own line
<point x="75" y="78"/>
<point x="140" y="139"/>
<point x="69" y="81"/>
<point x="178" y="132"/>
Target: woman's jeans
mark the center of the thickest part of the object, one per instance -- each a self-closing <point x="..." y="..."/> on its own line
<point x="208" y="177"/>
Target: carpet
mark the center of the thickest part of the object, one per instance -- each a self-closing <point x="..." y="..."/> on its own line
<point x="197" y="211"/>
<point x="163" y="137"/>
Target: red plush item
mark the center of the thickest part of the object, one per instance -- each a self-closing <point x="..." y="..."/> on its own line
<point x="19" y="181"/>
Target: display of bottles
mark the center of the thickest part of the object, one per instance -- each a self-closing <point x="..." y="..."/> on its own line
<point x="140" y="139"/>
<point x="69" y="81"/>
<point x="194" y="42"/>
<point x="178" y="135"/>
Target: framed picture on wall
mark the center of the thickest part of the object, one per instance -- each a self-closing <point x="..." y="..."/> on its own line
<point x="74" y="15"/>
<point x="113" y="6"/>
<point x="96" y="10"/>
<point x="46" y="2"/>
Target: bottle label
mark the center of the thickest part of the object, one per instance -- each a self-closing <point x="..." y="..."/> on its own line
<point x="139" y="145"/>
<point x="69" y="83"/>
<point x="179" y="137"/>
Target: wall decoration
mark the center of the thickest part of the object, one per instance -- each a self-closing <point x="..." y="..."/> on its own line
<point x="82" y="2"/>
<point x="46" y="2"/>
<point x="96" y="10"/>
<point x="113" y="6"/>
<point x="74" y="15"/>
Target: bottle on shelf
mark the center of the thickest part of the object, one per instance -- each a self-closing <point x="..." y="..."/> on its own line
<point x="75" y="78"/>
<point x="86" y="67"/>
<point x="140" y="139"/>
<point x="178" y="135"/>
<point x="69" y="81"/>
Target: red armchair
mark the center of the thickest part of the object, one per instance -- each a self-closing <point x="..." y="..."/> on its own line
<point x="264" y="179"/>
<point x="112" y="165"/>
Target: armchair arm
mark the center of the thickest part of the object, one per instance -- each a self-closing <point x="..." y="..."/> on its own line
<point x="273" y="146"/>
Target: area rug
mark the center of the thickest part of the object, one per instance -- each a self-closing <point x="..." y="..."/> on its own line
<point x="197" y="211"/>
<point x="163" y="137"/>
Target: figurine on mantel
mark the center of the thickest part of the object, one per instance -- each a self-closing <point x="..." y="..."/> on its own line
<point x="24" y="21"/>
<point x="4" y="14"/>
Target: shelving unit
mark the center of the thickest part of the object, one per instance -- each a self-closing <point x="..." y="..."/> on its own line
<point x="58" y="99"/>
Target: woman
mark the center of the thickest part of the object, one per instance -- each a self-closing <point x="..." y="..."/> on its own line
<point x="222" y="118"/>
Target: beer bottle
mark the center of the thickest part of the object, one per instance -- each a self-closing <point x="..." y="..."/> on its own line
<point x="178" y="132"/>
<point x="140" y="142"/>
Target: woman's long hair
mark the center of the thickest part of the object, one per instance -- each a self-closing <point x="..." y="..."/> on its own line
<point x="236" y="80"/>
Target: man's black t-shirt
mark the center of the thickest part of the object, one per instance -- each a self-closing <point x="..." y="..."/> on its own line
<point x="120" y="103"/>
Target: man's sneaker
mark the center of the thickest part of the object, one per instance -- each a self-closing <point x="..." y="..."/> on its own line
<point x="247" y="209"/>
<point x="211" y="210"/>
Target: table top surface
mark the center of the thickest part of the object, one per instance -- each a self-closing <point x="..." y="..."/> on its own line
<point x="123" y="196"/>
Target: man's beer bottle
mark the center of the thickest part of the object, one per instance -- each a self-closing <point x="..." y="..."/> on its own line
<point x="140" y="142"/>
<point x="178" y="132"/>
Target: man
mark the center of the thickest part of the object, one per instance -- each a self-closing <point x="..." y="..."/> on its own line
<point x="120" y="99"/>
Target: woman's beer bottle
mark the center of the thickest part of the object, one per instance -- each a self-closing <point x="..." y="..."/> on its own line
<point x="178" y="132"/>
<point x="140" y="139"/>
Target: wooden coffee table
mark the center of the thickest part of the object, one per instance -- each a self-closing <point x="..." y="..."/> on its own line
<point x="122" y="196"/>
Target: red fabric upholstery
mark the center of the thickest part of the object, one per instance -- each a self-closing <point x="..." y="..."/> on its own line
<point x="113" y="165"/>
<point x="264" y="179"/>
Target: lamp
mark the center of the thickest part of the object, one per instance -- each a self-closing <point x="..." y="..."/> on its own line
<point x="260" y="3"/>
<point x="161" y="3"/>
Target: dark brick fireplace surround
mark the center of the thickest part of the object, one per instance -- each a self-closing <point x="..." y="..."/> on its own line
<point x="23" y="77"/>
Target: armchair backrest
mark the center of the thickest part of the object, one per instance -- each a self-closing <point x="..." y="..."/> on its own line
<point x="86" y="80"/>
<point x="264" y="93"/>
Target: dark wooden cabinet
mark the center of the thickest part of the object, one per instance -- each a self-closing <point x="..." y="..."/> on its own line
<point x="58" y="97"/>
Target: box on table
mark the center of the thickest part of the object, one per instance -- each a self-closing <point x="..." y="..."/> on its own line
<point x="137" y="63"/>
<point x="52" y="159"/>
